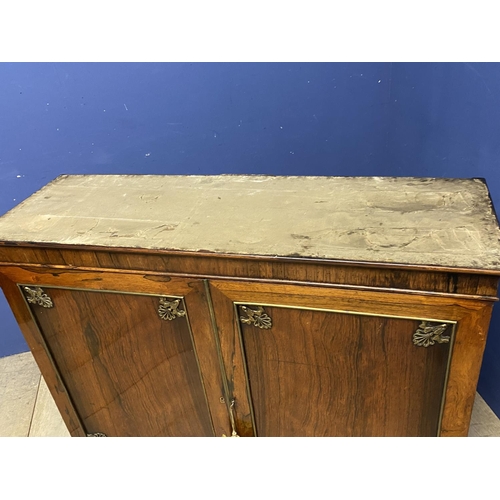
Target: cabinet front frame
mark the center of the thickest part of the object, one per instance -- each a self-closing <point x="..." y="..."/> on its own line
<point x="472" y="316"/>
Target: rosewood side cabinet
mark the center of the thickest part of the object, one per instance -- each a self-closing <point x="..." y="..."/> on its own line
<point x="255" y="305"/>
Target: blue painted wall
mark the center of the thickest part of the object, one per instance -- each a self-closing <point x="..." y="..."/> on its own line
<point x="439" y="120"/>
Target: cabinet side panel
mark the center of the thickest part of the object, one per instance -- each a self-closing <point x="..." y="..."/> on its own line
<point x="130" y="373"/>
<point x="316" y="373"/>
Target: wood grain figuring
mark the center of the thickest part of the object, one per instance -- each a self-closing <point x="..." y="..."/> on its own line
<point x="463" y="372"/>
<point x="472" y="319"/>
<point x="328" y="374"/>
<point x="42" y="356"/>
<point x="233" y="360"/>
<point x="47" y="420"/>
<point x="278" y="269"/>
<point x="208" y="356"/>
<point x="129" y="372"/>
<point x="378" y="303"/>
<point x="192" y="290"/>
<point x="471" y="335"/>
<point x="420" y="221"/>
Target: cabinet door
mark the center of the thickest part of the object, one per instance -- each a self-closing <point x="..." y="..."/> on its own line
<point x="124" y="350"/>
<point x="325" y="362"/>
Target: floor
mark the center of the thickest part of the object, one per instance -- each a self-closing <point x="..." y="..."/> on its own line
<point x="27" y="408"/>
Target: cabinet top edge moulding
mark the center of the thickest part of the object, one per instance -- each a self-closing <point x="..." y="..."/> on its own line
<point x="447" y="224"/>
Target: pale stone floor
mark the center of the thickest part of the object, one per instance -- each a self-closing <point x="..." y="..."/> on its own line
<point x="27" y="408"/>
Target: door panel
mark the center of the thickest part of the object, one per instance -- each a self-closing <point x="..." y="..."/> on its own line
<point x="316" y="373"/>
<point x="338" y="362"/>
<point x="129" y="372"/>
